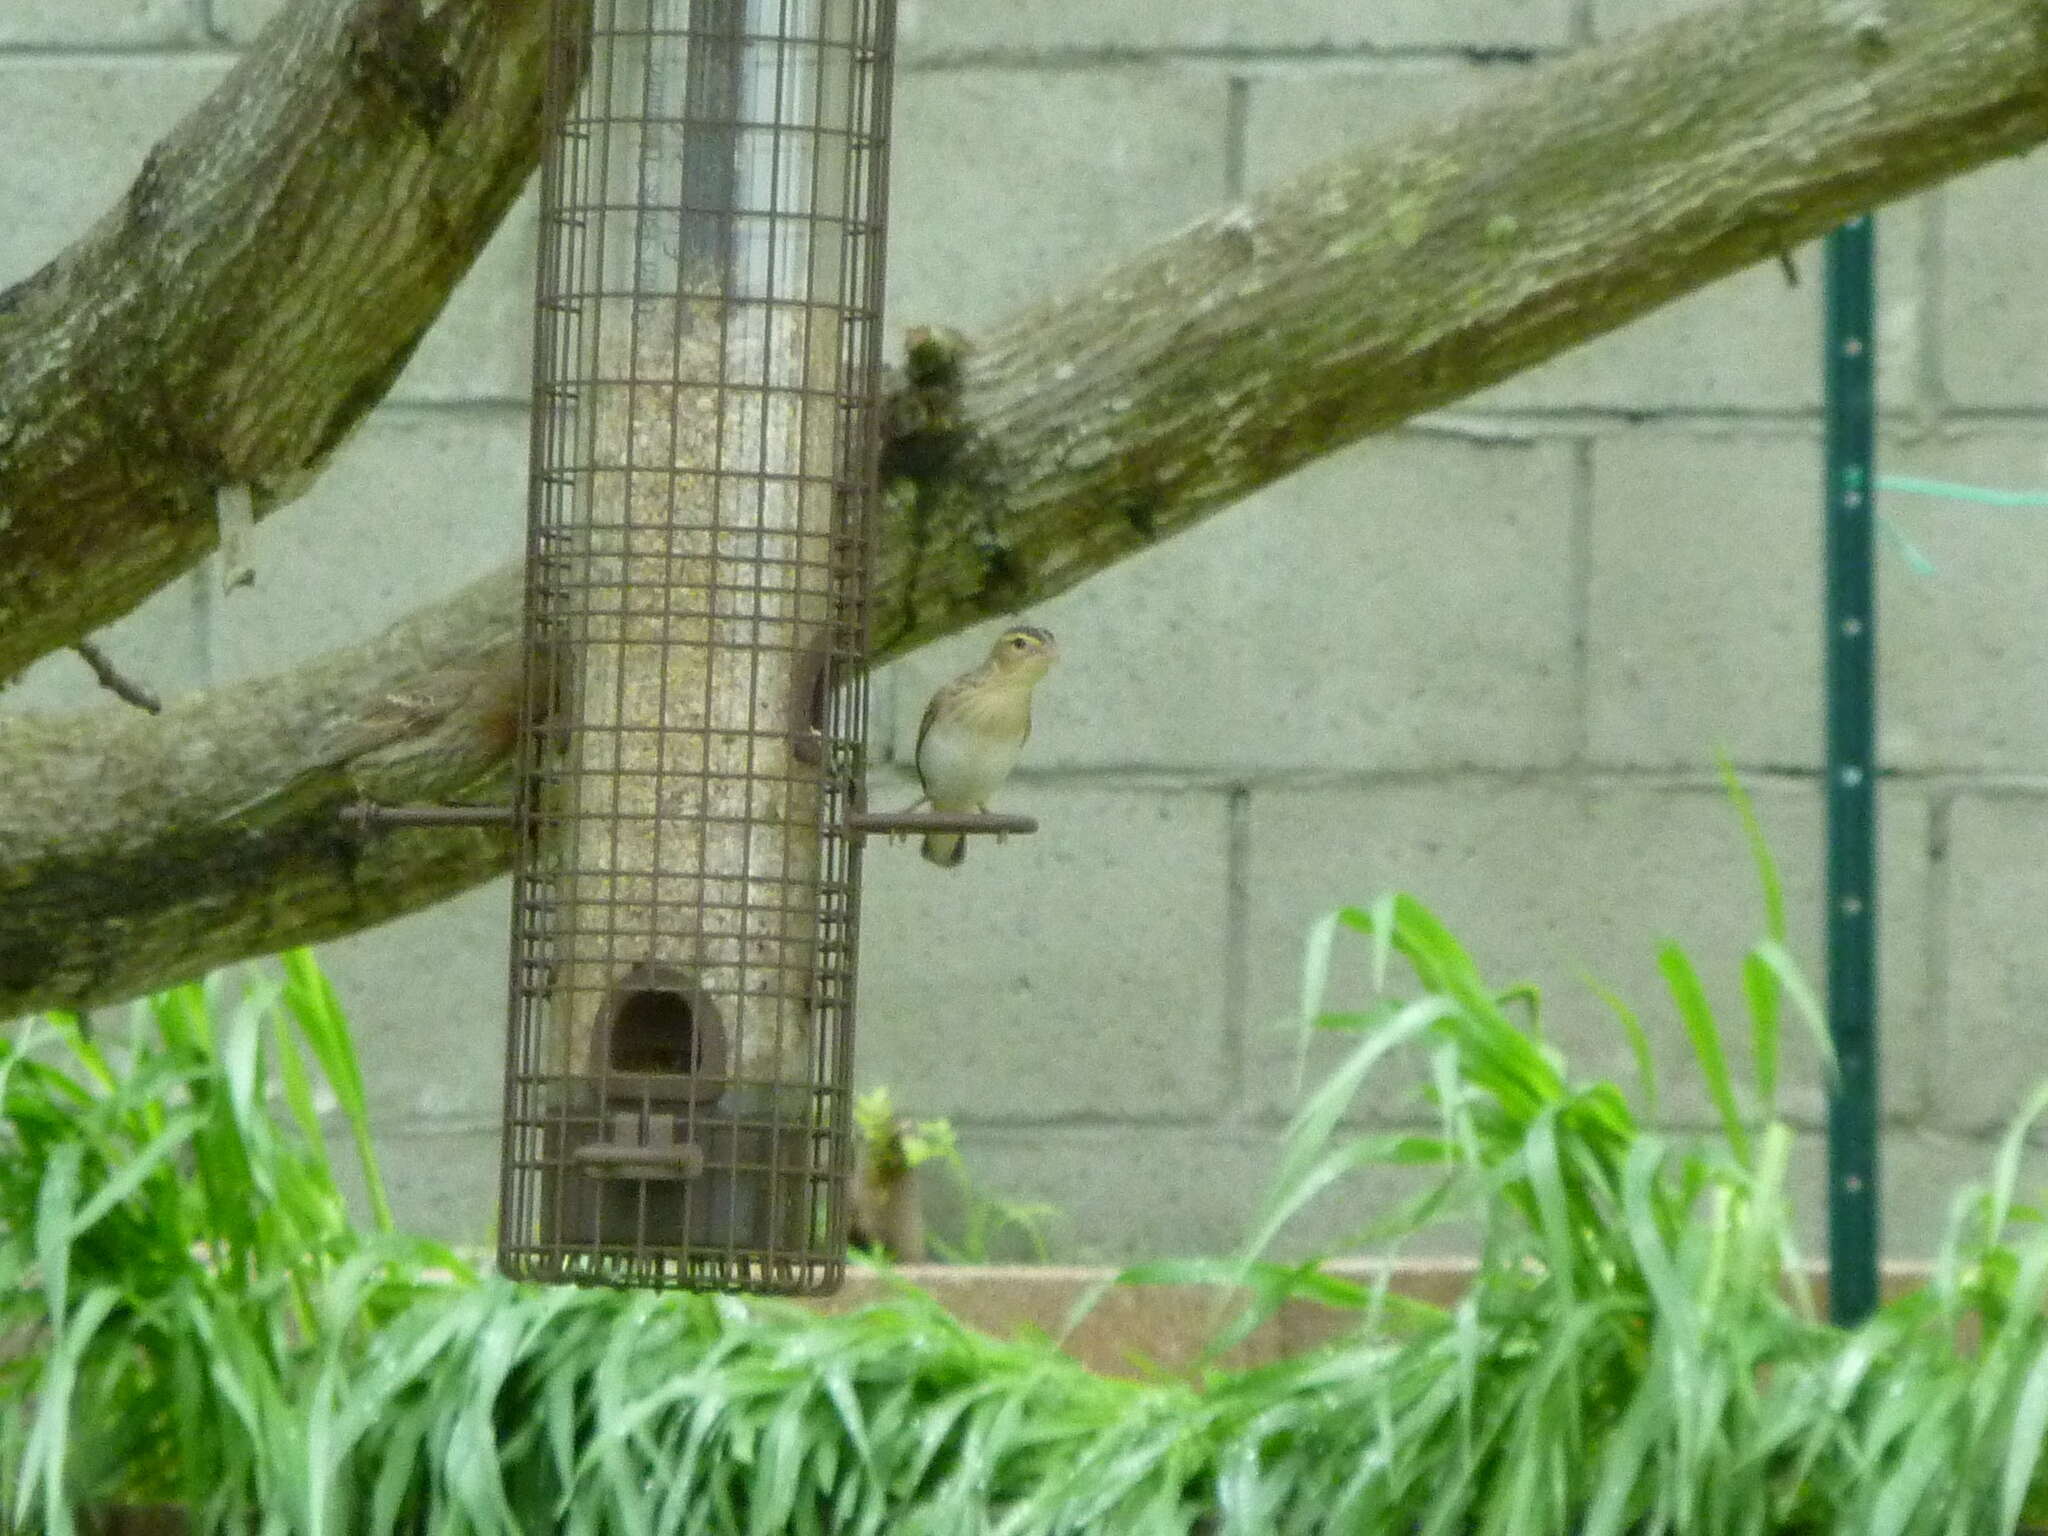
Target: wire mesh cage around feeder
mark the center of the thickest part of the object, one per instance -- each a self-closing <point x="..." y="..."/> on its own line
<point x="687" y="894"/>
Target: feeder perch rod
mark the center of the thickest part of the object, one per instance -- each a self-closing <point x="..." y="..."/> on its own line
<point x="365" y="815"/>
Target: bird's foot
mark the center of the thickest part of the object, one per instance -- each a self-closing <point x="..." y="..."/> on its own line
<point x="909" y="810"/>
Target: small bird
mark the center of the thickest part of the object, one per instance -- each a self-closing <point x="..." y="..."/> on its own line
<point x="975" y="727"/>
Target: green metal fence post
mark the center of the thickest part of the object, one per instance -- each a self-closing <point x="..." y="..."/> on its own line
<point x="1851" y="650"/>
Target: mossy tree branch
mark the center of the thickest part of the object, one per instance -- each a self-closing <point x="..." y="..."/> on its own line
<point x="1395" y="280"/>
<point x="1380" y="285"/>
<point x="267" y="275"/>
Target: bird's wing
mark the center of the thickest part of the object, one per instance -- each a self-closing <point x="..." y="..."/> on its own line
<point x="931" y="713"/>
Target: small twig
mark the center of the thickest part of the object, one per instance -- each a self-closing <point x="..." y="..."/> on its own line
<point x="111" y="679"/>
<point x="1790" y="268"/>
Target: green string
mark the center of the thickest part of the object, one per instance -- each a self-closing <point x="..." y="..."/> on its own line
<point x="1983" y="495"/>
<point x="1908" y="551"/>
<point x="1951" y="490"/>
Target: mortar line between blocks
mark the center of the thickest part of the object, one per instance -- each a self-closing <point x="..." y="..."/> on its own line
<point x="1311" y="56"/>
<point x="1927" y="360"/>
<point x="84" y="52"/>
<point x="1579" y="562"/>
<point x="1937" y="1023"/>
<point x="1698" y="776"/>
<point x="204" y="584"/>
<point x="1236" y="949"/>
<point x="1236" y="119"/>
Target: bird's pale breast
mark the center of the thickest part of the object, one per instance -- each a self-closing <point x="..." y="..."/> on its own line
<point x="968" y="753"/>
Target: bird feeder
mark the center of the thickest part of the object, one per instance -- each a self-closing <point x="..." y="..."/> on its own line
<point x="688" y="815"/>
<point x="705" y="413"/>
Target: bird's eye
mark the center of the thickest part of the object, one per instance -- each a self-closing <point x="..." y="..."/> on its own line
<point x="1019" y="643"/>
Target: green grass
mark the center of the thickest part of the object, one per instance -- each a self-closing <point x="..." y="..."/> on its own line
<point x="197" y="1320"/>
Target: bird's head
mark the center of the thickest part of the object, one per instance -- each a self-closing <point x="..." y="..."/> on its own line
<point x="1024" y="653"/>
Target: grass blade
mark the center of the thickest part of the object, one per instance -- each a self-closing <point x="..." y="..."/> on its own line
<point x="1705" y="1035"/>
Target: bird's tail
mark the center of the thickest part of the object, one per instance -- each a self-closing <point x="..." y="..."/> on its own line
<point x="945" y="849"/>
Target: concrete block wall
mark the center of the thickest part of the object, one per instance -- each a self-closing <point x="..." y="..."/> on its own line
<point x="1487" y="660"/>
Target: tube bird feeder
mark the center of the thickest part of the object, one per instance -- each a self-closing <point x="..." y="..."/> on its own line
<point x="705" y="431"/>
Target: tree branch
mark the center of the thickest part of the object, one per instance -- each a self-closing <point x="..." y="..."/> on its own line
<point x="256" y="291"/>
<point x="136" y="848"/>
<point x="1384" y="284"/>
<point x="1396" y="280"/>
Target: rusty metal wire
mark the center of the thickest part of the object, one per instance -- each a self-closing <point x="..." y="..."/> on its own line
<point x="701" y="526"/>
